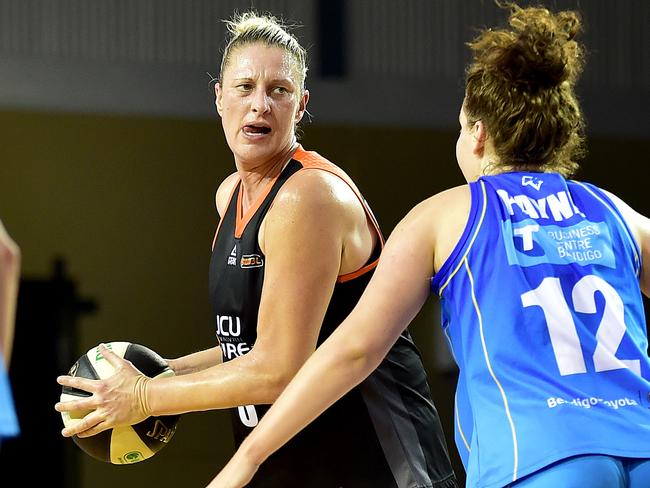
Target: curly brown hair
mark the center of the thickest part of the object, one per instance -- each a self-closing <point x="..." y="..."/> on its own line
<point x="521" y="85"/>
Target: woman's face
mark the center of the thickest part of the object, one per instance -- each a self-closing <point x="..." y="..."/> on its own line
<point x="260" y="103"/>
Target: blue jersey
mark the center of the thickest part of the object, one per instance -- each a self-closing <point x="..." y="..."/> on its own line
<point x="8" y="421"/>
<point x="541" y="304"/>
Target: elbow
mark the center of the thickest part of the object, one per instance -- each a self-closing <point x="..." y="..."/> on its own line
<point x="360" y="357"/>
<point x="275" y="388"/>
<point x="354" y="359"/>
<point x="267" y="374"/>
<point x="9" y="255"/>
<point x="277" y="380"/>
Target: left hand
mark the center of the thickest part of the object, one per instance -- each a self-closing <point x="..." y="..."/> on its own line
<point x="117" y="400"/>
<point x="236" y="474"/>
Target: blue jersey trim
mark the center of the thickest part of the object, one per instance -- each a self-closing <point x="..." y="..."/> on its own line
<point x="486" y="354"/>
<point x="459" y="426"/>
<point x="452" y="260"/>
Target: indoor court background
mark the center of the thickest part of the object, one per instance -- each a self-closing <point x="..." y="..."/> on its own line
<point x="111" y="151"/>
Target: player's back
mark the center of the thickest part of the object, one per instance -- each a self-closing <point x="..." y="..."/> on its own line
<point x="542" y="305"/>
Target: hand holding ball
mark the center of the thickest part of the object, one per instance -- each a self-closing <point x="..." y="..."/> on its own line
<point x="117" y="428"/>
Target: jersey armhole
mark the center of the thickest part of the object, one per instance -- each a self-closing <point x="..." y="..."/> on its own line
<point x="232" y="192"/>
<point x="448" y="268"/>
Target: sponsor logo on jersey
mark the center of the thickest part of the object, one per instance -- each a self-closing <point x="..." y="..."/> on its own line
<point x="229" y="334"/>
<point x="251" y="261"/>
<point x="232" y="259"/>
<point x="590" y="402"/>
<point x="228" y="326"/>
<point x="232" y="350"/>
<point x="531" y="181"/>
<point x="529" y="243"/>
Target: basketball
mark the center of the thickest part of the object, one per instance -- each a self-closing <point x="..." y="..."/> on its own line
<point x="125" y="444"/>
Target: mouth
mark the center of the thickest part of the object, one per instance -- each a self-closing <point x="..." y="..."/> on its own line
<point x="256" y="130"/>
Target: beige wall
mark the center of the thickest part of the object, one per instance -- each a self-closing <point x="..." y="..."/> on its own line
<point x="129" y="203"/>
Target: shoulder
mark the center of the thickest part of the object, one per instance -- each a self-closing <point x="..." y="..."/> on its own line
<point x="444" y="206"/>
<point x="439" y="221"/>
<point x="318" y="170"/>
<point x="438" y="212"/>
<point x="308" y="211"/>
<point x="224" y="191"/>
<point x="315" y="188"/>
<point x="441" y="210"/>
<point x="314" y="203"/>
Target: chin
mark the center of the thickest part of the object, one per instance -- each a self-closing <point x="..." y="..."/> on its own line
<point x="254" y="152"/>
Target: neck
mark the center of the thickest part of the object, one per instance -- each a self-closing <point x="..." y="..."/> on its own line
<point x="256" y="177"/>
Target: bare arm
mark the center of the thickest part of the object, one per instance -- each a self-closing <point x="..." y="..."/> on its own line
<point x="9" y="282"/>
<point x="303" y="259"/>
<point x="394" y="296"/>
<point x="197" y="361"/>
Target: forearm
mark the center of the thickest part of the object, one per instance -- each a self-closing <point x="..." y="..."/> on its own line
<point x="9" y="282"/>
<point x="246" y="380"/>
<point x="196" y="361"/>
<point x="336" y="367"/>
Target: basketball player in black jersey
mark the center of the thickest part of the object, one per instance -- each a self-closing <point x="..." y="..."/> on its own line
<point x="294" y="249"/>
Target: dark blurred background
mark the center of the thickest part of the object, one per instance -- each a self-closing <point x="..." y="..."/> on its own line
<point x="111" y="151"/>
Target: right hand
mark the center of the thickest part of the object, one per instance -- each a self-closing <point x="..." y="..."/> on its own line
<point x="117" y="400"/>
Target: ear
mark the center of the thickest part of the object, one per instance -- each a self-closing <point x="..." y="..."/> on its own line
<point x="302" y="106"/>
<point x="218" y="93"/>
<point x="479" y="138"/>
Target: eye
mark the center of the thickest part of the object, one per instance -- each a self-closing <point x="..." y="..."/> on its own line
<point x="244" y="87"/>
<point x="282" y="90"/>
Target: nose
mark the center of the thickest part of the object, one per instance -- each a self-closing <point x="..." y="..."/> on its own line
<point x="260" y="103"/>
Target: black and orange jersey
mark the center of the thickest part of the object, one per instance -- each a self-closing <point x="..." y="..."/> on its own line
<point x="385" y="433"/>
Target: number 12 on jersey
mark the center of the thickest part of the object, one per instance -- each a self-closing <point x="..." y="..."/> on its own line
<point x="562" y="329"/>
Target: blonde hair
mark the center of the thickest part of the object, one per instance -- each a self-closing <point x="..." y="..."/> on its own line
<point x="521" y="85"/>
<point x="251" y="28"/>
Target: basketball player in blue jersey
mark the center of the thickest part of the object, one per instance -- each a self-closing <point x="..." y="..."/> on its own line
<point x="540" y="280"/>
<point x="295" y="247"/>
<point x="9" y="280"/>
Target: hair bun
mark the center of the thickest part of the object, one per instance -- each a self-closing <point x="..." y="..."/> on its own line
<point x="539" y="52"/>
